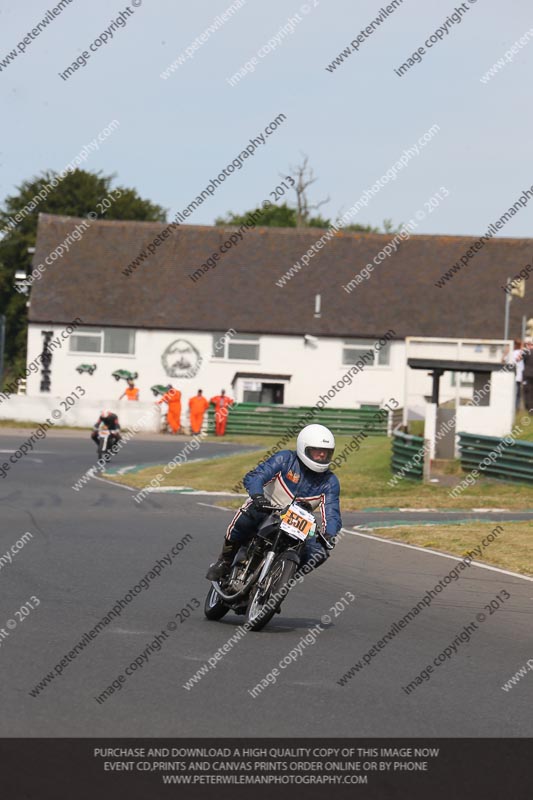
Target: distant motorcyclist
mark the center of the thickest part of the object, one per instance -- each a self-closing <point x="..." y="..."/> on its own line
<point x="304" y="474"/>
<point x="110" y="421"/>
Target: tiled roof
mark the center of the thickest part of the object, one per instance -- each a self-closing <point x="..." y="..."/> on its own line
<point x="241" y="292"/>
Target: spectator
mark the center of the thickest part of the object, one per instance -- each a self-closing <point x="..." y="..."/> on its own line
<point x="131" y="392"/>
<point x="516" y="357"/>
<point x="528" y="375"/>
<point x="221" y="403"/>
<point x="197" y="408"/>
<point x="172" y="398"/>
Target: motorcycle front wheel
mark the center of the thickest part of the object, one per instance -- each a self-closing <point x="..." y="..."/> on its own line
<point x="104" y="454"/>
<point x="260" y="611"/>
<point x="214" y="607"/>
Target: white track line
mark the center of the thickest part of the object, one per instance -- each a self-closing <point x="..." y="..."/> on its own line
<point x="113" y="483"/>
<point x="41" y="452"/>
<point x="186" y="490"/>
<point x="455" y="511"/>
<point x="436" y="553"/>
<point x="210" y="505"/>
<point x="373" y="538"/>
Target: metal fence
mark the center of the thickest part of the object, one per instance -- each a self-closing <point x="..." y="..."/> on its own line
<point x="405" y="447"/>
<point x="270" y="420"/>
<point x="507" y="462"/>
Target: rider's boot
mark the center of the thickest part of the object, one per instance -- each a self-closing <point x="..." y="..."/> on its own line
<point x="222" y="566"/>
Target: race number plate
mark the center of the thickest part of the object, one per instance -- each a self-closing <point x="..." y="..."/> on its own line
<point x="297" y="522"/>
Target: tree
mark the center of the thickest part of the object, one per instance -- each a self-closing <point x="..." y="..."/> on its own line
<point x="356" y="228"/>
<point x="76" y="195"/>
<point x="304" y="177"/>
<point x="318" y="222"/>
<point x="285" y="216"/>
<point x="273" y="217"/>
<point x="389" y="227"/>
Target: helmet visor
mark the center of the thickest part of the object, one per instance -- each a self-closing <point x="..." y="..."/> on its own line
<point x="320" y="455"/>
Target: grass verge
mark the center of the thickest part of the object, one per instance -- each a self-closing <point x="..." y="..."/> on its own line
<point x="15" y="423"/>
<point x="512" y="549"/>
<point x="363" y="479"/>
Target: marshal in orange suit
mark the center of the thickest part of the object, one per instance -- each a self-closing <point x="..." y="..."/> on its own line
<point x="198" y="405"/>
<point x="173" y="399"/>
<point x="221" y="403"/>
<point x="131" y="392"/>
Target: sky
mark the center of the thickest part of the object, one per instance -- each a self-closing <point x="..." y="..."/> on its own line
<point x="353" y="122"/>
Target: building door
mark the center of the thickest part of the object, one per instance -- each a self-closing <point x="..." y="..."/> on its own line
<point x="272" y="393"/>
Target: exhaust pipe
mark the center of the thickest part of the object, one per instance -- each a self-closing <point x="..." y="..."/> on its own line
<point x="231" y="597"/>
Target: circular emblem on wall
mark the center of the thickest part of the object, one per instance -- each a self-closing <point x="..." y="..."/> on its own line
<point x="181" y="359"/>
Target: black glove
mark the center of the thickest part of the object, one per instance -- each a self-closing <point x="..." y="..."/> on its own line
<point x="259" y="502"/>
<point x="331" y="541"/>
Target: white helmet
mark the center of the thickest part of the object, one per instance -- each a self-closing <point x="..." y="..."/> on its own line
<point x="315" y="437"/>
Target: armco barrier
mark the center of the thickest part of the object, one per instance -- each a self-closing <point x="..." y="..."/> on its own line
<point x="512" y="462"/>
<point x="269" y="420"/>
<point x="404" y="448"/>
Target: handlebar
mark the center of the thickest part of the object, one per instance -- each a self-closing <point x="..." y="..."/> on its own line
<point x="283" y="509"/>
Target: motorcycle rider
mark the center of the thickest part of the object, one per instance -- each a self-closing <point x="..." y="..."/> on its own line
<point x="303" y="473"/>
<point x="110" y="420"/>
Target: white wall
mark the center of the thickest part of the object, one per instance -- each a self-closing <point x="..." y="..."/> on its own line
<point x="83" y="414"/>
<point x="496" y="419"/>
<point x="419" y="383"/>
<point x="430" y="428"/>
<point x="313" y="370"/>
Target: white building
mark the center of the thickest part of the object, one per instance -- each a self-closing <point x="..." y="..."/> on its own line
<point x="201" y="308"/>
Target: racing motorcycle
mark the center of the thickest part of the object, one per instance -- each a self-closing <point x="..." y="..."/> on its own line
<point x="106" y="440"/>
<point x="261" y="572"/>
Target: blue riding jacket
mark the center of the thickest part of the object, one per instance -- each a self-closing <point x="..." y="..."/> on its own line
<point x="283" y="477"/>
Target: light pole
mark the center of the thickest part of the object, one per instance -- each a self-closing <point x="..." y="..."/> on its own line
<point x="518" y="289"/>
<point x="507" y="307"/>
<point x="2" y="342"/>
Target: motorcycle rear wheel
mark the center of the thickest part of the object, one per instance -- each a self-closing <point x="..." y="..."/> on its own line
<point x="214" y="607"/>
<point x="260" y="611"/>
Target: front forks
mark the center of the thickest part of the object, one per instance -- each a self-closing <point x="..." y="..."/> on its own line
<point x="266" y="566"/>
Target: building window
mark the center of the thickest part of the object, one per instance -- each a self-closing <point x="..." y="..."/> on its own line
<point x="353" y="350"/>
<point x="384" y="355"/>
<point x="111" y="341"/>
<point x="465" y="379"/>
<point x="119" y="340"/>
<point x="86" y="341"/>
<point x="241" y="347"/>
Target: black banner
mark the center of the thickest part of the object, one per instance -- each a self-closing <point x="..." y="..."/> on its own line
<point x="149" y="769"/>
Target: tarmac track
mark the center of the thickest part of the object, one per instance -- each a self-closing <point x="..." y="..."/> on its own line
<point x="90" y="547"/>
